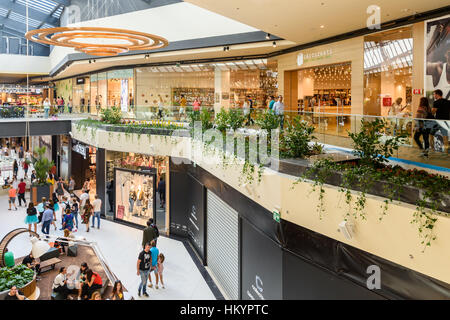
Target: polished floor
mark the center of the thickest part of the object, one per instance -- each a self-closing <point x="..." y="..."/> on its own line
<point x="120" y="246"/>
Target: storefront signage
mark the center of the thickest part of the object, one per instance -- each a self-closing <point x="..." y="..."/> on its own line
<point x="303" y="58"/>
<point x="81" y="80"/>
<point x="387" y="101"/>
<point x="121" y="74"/>
<point x="80" y="149"/>
<point x="418" y="91"/>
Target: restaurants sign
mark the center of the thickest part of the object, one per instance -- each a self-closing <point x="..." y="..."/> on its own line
<point x="303" y="58"/>
<point x="80" y="149"/>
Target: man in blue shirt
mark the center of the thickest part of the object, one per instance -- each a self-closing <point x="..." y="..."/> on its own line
<point x="155" y="253"/>
<point x="47" y="219"/>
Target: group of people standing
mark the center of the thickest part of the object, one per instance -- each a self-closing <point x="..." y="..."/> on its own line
<point x="424" y="128"/>
<point x="150" y="260"/>
<point x="60" y="106"/>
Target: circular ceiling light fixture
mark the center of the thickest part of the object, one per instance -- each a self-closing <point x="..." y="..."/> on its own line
<point x="98" y="41"/>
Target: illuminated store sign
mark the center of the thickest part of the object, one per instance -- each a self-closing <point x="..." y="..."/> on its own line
<point x="80" y="149"/>
<point x="315" y="56"/>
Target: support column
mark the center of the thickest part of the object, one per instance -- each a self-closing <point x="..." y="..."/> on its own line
<point x="222" y="86"/>
<point x="101" y="178"/>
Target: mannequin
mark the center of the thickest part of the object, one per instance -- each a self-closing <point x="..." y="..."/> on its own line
<point x="140" y="198"/>
<point x="131" y="198"/>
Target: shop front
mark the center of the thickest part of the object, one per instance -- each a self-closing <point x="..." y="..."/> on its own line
<point x="132" y="182"/>
<point x="84" y="167"/>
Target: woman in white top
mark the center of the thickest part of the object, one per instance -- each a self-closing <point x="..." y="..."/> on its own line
<point x="396" y="108"/>
<point x="46" y="108"/>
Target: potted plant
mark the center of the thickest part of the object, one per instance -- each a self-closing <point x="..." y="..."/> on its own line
<point x="41" y="188"/>
<point x="21" y="277"/>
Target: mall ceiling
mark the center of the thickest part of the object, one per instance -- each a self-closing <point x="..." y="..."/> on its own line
<point x="305" y="21"/>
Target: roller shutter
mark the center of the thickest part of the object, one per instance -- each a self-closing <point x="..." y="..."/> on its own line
<point x="223" y="244"/>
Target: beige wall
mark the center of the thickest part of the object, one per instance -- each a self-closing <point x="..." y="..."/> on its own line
<point x="394" y="238"/>
<point x="351" y="50"/>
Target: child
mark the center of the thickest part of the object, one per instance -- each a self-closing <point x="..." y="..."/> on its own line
<point x="161" y="259"/>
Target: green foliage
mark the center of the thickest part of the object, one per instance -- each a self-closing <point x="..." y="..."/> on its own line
<point x="205" y="118"/>
<point x="371" y="145"/>
<point x="296" y="138"/>
<point x="111" y="115"/>
<point x="236" y="119"/>
<point x="268" y="121"/>
<point x="42" y="165"/>
<point x="222" y="120"/>
<point x="18" y="276"/>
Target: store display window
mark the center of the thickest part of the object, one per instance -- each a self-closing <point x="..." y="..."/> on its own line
<point x="388" y="62"/>
<point x="98" y="99"/>
<point x="135" y="196"/>
<point x="81" y="94"/>
<point x="121" y="89"/>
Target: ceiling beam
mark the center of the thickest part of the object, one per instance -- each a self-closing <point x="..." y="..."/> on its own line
<point x="14" y="25"/>
<point x="32" y="13"/>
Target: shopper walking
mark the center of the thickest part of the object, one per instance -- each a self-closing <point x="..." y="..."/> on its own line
<point x="12" y="197"/>
<point x="422" y="127"/>
<point x="21" y="189"/>
<point x="143" y="269"/>
<point x="15" y="167"/>
<point x="47" y="219"/>
<point x="155" y="253"/>
<point x="83" y="198"/>
<point x="161" y="259"/>
<point x="25" y="166"/>
<point x="97" y="205"/>
<point x="41" y="208"/>
<point x="162" y="192"/>
<point x="75" y="210"/>
<point x="87" y="213"/>
<point x="86" y="186"/>
<point x="71" y="185"/>
<point x="149" y="233"/>
<point x="278" y="109"/>
<point x="60" y="191"/>
<point x="31" y="218"/>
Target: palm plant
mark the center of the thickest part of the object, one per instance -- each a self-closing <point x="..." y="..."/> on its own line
<point x="42" y="165"/>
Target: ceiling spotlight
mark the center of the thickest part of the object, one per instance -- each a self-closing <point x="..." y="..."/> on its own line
<point x="274" y="44"/>
<point x="268" y="36"/>
<point x="322" y="26"/>
<point x="95" y="61"/>
<point x="147" y="56"/>
<point x="90" y="61"/>
<point x="226" y="49"/>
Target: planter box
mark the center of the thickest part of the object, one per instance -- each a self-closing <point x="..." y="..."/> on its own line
<point x="27" y="291"/>
<point x="409" y="194"/>
<point x="38" y="192"/>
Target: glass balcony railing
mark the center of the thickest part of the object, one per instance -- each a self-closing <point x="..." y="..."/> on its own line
<point x="330" y="128"/>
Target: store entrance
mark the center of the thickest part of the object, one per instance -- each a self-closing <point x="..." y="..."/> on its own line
<point x="322" y="95"/>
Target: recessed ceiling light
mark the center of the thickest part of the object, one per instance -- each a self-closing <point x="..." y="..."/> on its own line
<point x="322" y="26"/>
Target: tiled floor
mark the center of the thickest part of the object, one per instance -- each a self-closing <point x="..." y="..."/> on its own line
<point x="121" y="245"/>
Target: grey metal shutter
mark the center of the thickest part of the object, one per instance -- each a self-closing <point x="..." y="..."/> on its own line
<point x="223" y="244"/>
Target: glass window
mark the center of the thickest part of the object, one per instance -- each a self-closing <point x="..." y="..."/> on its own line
<point x="388" y="57"/>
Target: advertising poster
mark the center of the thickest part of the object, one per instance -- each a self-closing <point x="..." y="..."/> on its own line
<point x="135" y="196"/>
<point x="124" y="95"/>
<point x="438" y="57"/>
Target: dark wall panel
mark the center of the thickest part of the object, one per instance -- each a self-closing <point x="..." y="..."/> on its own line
<point x="196" y="215"/>
<point x="17" y="128"/>
<point x="303" y="280"/>
<point x="179" y="186"/>
<point x="101" y="176"/>
<point x="261" y="265"/>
